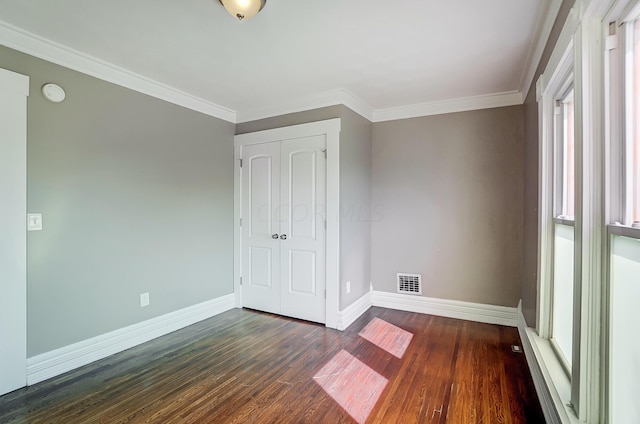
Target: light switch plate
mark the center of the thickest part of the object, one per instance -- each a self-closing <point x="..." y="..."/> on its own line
<point x="144" y="299"/>
<point x="34" y="221"/>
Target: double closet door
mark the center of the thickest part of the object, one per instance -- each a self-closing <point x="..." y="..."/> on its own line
<point x="283" y="227"/>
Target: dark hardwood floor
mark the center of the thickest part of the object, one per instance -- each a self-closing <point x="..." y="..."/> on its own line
<point x="249" y="367"/>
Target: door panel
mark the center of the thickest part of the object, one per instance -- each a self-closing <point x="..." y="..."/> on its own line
<point x="303" y="195"/>
<point x="260" y="266"/>
<point x="260" y="251"/>
<point x="260" y="195"/>
<point x="302" y="270"/>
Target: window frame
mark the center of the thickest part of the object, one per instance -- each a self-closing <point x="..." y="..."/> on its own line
<point x="631" y="194"/>
<point x="599" y="214"/>
<point x="552" y="85"/>
<point x="565" y="93"/>
<point x="562" y="95"/>
<point x="580" y="45"/>
<point x="619" y="125"/>
<point x="618" y="128"/>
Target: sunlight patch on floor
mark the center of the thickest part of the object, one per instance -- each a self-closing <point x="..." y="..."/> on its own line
<point x="387" y="336"/>
<point x="352" y="384"/>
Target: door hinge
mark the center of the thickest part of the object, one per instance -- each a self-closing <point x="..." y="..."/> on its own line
<point x="325" y="293"/>
<point x="240" y="280"/>
<point x="325" y="153"/>
<point x="240" y="163"/>
<point x="325" y="224"/>
<point x="241" y="222"/>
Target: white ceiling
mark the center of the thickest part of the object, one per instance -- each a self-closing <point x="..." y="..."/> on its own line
<point x="384" y="54"/>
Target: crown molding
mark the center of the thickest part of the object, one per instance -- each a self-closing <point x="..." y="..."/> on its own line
<point x="340" y="96"/>
<point x="544" y="25"/>
<point x="59" y="54"/>
<point x="449" y="106"/>
<point x="348" y="99"/>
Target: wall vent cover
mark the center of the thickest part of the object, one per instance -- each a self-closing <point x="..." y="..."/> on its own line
<point x="409" y="283"/>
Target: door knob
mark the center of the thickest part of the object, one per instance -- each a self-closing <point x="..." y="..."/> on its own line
<point x="283" y="237"/>
<point x="274" y="236"/>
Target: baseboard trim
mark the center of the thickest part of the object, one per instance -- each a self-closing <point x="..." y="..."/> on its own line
<point x="490" y="314"/>
<point x="546" y="401"/>
<point x="50" y="364"/>
<point x="552" y="385"/>
<point x="352" y="312"/>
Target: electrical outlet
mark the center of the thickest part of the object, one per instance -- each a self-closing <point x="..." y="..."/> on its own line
<point x="348" y="287"/>
<point x="144" y="300"/>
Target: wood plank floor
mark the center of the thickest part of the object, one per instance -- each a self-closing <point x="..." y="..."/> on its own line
<point x="249" y="367"/>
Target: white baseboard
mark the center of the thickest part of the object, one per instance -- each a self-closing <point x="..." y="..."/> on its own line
<point x="59" y="361"/>
<point x="551" y="383"/>
<point x="546" y="402"/>
<point x="490" y="314"/>
<point x="353" y="311"/>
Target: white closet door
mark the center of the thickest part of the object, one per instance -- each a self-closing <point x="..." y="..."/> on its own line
<point x="14" y="89"/>
<point x="283" y="227"/>
<point x="260" y="227"/>
<point x="302" y="228"/>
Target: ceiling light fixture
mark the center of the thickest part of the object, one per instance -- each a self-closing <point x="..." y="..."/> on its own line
<point x="243" y="9"/>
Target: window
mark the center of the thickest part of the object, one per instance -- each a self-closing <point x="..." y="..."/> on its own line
<point x="565" y="162"/>
<point x="561" y="331"/>
<point x="602" y="47"/>
<point x="562" y="294"/>
<point x="624" y="233"/>
<point x="632" y="138"/>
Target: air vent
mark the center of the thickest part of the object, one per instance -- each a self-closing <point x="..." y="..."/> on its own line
<point x="409" y="283"/>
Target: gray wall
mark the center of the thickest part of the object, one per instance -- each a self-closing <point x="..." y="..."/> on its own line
<point x="529" y="292"/>
<point x="355" y="206"/>
<point x="355" y="190"/>
<point x="447" y="203"/>
<point x="136" y="194"/>
<point x="297" y="118"/>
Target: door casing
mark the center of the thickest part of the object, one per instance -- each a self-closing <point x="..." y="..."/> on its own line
<point x="14" y="89"/>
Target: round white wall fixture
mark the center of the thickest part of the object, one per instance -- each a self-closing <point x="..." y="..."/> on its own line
<point x="53" y="92"/>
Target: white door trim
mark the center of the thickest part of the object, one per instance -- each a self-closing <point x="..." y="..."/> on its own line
<point x="331" y="129"/>
<point x="14" y="89"/>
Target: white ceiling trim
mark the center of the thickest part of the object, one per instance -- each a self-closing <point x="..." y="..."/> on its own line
<point x="42" y="48"/>
<point x="544" y="25"/>
<point x="346" y="98"/>
<point x="340" y="96"/>
<point x="449" y="106"/>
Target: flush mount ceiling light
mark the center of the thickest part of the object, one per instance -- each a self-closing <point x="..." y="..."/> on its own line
<point x="243" y="9"/>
